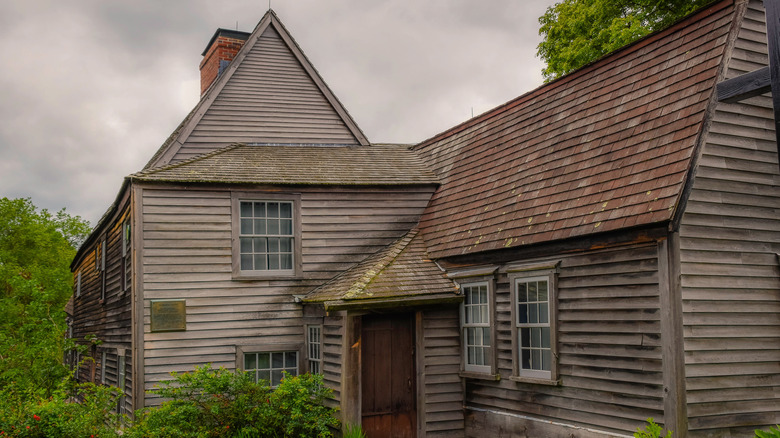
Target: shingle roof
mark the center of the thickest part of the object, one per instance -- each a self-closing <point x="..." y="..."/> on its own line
<point x="400" y="270"/>
<point x="384" y="164"/>
<point x="604" y="148"/>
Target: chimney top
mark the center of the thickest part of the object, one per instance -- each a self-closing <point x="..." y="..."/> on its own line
<point x="226" y="33"/>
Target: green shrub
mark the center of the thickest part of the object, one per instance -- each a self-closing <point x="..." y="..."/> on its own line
<point x="774" y="432"/>
<point x="353" y="431"/>
<point x="216" y="402"/>
<point x="61" y="415"/>
<point x="651" y="430"/>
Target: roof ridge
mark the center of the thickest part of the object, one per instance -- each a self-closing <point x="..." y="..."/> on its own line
<point x="189" y="160"/>
<point x="696" y="15"/>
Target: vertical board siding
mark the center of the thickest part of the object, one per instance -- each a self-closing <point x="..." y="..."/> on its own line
<point x="269" y="99"/>
<point x="609" y="347"/>
<point x="187" y="254"/>
<point x="730" y="235"/>
<point x="109" y="319"/>
<point x="441" y="361"/>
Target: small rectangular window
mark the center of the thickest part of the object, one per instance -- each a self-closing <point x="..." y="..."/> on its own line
<point x="270" y="365"/>
<point x="103" y="269"/>
<point x="78" y="284"/>
<point x="475" y="317"/>
<point x="121" y="374"/>
<point x="314" y="341"/>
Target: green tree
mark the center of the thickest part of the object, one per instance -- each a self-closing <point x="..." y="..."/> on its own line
<point x="36" y="248"/>
<point x="577" y="32"/>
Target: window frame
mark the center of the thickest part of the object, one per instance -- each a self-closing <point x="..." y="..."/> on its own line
<point x="243" y="350"/>
<point x="78" y="284"/>
<point x="102" y="269"/>
<point x="311" y="359"/>
<point x="524" y="274"/>
<point x="297" y="265"/>
<point x="489" y="367"/>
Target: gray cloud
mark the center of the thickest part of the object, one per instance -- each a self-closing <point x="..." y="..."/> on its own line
<point x="91" y="88"/>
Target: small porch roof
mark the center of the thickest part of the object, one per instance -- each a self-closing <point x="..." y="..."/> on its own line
<point x="399" y="275"/>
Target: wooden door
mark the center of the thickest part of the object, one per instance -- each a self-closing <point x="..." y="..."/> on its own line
<point x="387" y="376"/>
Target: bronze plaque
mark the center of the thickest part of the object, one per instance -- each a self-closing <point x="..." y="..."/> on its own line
<point x="169" y="316"/>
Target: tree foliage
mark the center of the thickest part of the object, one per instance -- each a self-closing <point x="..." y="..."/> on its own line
<point x="36" y="248"/>
<point x="577" y="32"/>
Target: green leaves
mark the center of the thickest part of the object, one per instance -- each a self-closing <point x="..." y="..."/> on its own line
<point x="578" y="32"/>
<point x="36" y="249"/>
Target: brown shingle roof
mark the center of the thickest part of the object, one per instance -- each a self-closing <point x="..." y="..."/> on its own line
<point x="239" y="163"/>
<point x="400" y="270"/>
<point x="604" y="148"/>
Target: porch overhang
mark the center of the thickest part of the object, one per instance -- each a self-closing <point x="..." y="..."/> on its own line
<point x="394" y="302"/>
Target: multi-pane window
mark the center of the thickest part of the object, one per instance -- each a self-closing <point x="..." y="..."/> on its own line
<point x="533" y="326"/>
<point x="266" y="235"/>
<point x="314" y="342"/>
<point x="269" y="365"/>
<point x="126" y="256"/>
<point x="476" y="327"/>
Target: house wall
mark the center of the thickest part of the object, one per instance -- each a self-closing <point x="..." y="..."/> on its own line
<point x="108" y="320"/>
<point x="729" y="241"/>
<point x="187" y="254"/>
<point x="609" y="352"/>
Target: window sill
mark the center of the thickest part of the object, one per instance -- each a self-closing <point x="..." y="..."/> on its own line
<point x="479" y="376"/>
<point x="270" y="276"/>
<point x="535" y="381"/>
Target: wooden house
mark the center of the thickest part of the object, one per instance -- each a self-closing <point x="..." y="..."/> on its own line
<point x="598" y="251"/>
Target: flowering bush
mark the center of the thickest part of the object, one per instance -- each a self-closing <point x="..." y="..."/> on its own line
<point x="60" y="415"/>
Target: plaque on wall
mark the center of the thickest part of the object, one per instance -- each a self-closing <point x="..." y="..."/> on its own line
<point x="169" y="316"/>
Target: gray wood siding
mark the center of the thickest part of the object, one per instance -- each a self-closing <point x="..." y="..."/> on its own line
<point x="109" y="319"/>
<point x="332" y="341"/>
<point x="187" y="254"/>
<point x="269" y="99"/>
<point x="609" y="346"/>
<point x="729" y="238"/>
<point x="443" y="410"/>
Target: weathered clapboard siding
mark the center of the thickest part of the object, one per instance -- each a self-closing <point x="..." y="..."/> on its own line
<point x="730" y="235"/>
<point x="443" y="398"/>
<point x="332" y="342"/>
<point x="108" y="319"/>
<point x="609" y="345"/>
<point x="187" y="254"/>
<point x="269" y="99"/>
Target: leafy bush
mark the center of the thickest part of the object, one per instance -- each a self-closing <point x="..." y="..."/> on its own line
<point x="774" y="432"/>
<point x="353" y="431"/>
<point x="216" y="402"/>
<point x="651" y="430"/>
<point x="61" y="415"/>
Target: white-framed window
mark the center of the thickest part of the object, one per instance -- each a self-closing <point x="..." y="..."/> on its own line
<point x="534" y="337"/>
<point x="121" y="377"/>
<point x="266" y="235"/>
<point x="270" y="365"/>
<point x="314" y="347"/>
<point x="126" y="273"/>
<point x="476" y="327"/>
<point x="78" y="284"/>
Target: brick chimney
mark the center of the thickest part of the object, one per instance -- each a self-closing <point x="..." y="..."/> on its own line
<point x="222" y="48"/>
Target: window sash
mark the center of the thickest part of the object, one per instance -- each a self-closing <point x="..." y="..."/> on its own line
<point x="314" y="348"/>
<point x="476" y="330"/>
<point x="266" y="236"/>
<point x="269" y="365"/>
<point x="534" y="353"/>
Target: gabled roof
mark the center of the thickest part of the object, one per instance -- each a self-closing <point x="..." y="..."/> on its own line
<point x="270" y="93"/>
<point x="604" y="148"/>
<point x="379" y="164"/>
<point x="401" y="273"/>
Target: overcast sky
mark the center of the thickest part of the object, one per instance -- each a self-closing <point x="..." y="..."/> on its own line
<point x="91" y="88"/>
